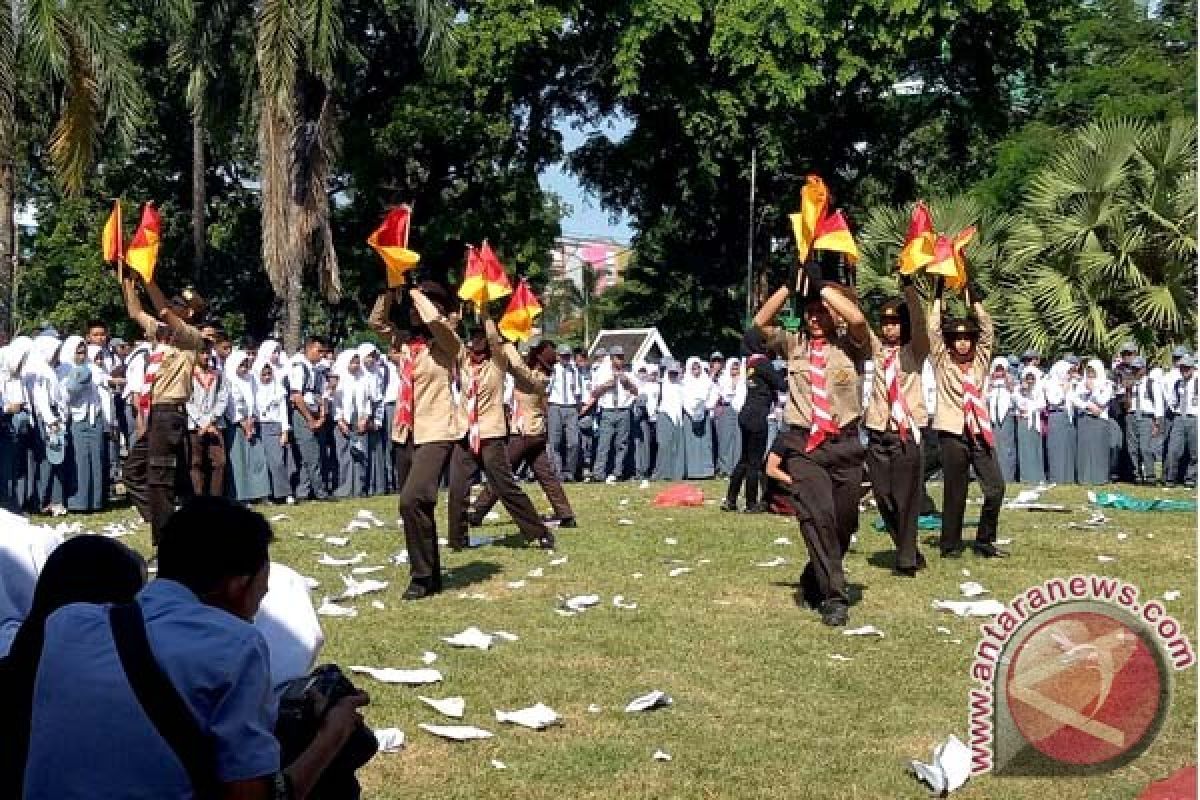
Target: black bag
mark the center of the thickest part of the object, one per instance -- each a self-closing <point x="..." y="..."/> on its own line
<point x="160" y="700"/>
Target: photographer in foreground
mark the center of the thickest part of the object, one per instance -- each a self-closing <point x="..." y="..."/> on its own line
<point x="171" y="696"/>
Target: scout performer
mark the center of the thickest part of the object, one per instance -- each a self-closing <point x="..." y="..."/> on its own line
<point x="961" y="352"/>
<point x="482" y="368"/>
<point x="152" y="463"/>
<point x="824" y="456"/>
<point x="401" y="429"/>
<point x="894" y="418"/>
<point x="527" y="443"/>
<point x="437" y="425"/>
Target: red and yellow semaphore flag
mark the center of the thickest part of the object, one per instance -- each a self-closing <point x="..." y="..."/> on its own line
<point x="833" y="233"/>
<point x="390" y="240"/>
<point x="485" y="278"/>
<point x="943" y="258"/>
<point x="919" y="241"/>
<point x="961" y="240"/>
<point x="523" y="309"/>
<point x="112" y="240"/>
<point x="142" y="255"/>
<point x="814" y="200"/>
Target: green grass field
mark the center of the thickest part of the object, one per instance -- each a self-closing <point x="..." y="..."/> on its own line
<point x="760" y="709"/>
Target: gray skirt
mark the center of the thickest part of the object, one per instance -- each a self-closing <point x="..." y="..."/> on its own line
<point x="1092" y="449"/>
<point x="697" y="448"/>
<point x="353" y="457"/>
<point x="279" y="475"/>
<point x="728" y="439"/>
<point x="85" y="466"/>
<point x="247" y="466"/>
<point x="1031" y="454"/>
<point x="1006" y="447"/>
<point x="669" y="463"/>
<point x="1060" y="447"/>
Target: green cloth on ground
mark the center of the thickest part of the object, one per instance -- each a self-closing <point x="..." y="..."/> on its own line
<point x="1124" y="502"/>
<point x="924" y="523"/>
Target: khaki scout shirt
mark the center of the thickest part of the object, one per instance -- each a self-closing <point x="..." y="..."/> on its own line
<point x="845" y="361"/>
<point x="529" y="395"/>
<point x="948" y="416"/>
<point x="493" y="420"/>
<point x="378" y="321"/>
<point x="909" y="363"/>
<point x="436" y="415"/>
<point x="173" y="382"/>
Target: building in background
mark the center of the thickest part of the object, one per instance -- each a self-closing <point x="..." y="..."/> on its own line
<point x="582" y="268"/>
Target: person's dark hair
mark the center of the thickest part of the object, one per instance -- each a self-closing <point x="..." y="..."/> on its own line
<point x="212" y="539"/>
<point x="534" y="358"/>
<point x="437" y="294"/>
<point x="316" y="339"/>
<point x="84" y="569"/>
<point x="95" y="323"/>
<point x="579" y="351"/>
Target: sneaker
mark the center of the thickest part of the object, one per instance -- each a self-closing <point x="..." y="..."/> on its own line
<point x="988" y="550"/>
<point x="291" y="500"/>
<point x="835" y="614"/>
<point x="610" y="480"/>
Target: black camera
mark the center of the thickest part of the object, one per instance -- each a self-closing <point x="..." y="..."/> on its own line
<point x="301" y="709"/>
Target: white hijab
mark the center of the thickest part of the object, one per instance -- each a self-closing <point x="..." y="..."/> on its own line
<point x="733" y="388"/>
<point x="670" y="401"/>
<point x="242" y="388"/>
<point x="697" y="389"/>
<point x="999" y="396"/>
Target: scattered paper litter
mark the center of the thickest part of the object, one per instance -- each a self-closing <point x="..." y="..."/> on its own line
<point x="670" y="540"/>
<point x="310" y="583"/>
<point x="704" y="561"/>
<point x="637" y="575"/>
<point x="782" y="540"/>
<point x="506" y="636"/>
<point x="329" y="561"/>
<point x="536" y="717"/>
<point x="558" y="562"/>
<point x="328" y="608"/>
<point x="378" y="605"/>
<point x="675" y="573"/>
<point x="515" y="584"/>
<point x="391" y="740"/>
<point x="357" y="588"/>
<point x="624" y="521"/>
<point x="594" y="709"/>
<point x="1105" y="559"/>
<point x="356" y="525"/>
<point x="944" y="629"/>
<point x="471" y="637"/>
<point x="619" y="602"/>
<point x="1122" y="537"/>
<point x="279" y="517"/>
<point x="645" y="484"/>
<point x="865" y="630"/>
<point x="624" y="501"/>
<point x="648" y="701"/>
<point x="950" y="768"/>
<point x="971" y="589"/>
<point x="498" y="764"/>
<point x="581" y="602"/>
<point x="365" y="570"/>
<point x="777" y="561"/>
<point x="562" y="612"/>
<point x="472" y="596"/>
<point x="408" y="677"/>
<point x="369" y="516"/>
<point x="970" y="608"/>
<point x="428" y="657"/>
<point x="449" y="707"/>
<point x="457" y="733"/>
<point x="399" y="558"/>
<point x="660" y="755"/>
<point x="966" y="573"/>
<point x="839" y="657"/>
<point x="536" y="573"/>
<point x="337" y="541"/>
<point x="1003" y="542"/>
<point x="1173" y="594"/>
<point x="492" y="516"/>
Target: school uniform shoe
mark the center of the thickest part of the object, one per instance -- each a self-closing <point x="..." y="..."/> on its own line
<point x="757" y="508"/>
<point x="988" y="550"/>
<point x="610" y="480"/>
<point x="419" y="591"/>
<point x="834" y="613"/>
<point x="568" y="522"/>
<point x="728" y="506"/>
<point x="955" y="551"/>
<point x="544" y="542"/>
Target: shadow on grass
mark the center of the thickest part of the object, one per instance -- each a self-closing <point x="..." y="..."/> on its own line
<point x="467" y="574"/>
<point x="808" y="599"/>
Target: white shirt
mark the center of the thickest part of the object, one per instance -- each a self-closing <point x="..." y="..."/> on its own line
<point x="617" y="397"/>
<point x="566" y="386"/>
<point x="1147" y="397"/>
<point x="271" y="403"/>
<point x="288" y="622"/>
<point x="1100" y="396"/>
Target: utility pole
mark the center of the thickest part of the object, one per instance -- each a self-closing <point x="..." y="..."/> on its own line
<point x="750" y="237"/>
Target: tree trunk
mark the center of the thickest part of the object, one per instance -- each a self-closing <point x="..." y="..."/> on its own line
<point x="199" y="196"/>
<point x="293" y="311"/>
<point x="8" y="241"/>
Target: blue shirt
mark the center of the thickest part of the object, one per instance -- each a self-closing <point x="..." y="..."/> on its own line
<point x="90" y="737"/>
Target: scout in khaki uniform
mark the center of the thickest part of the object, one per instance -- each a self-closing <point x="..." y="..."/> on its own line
<point x="824" y="457"/>
<point x="961" y="353"/>
<point x="400" y="354"/>
<point x="482" y="399"/>
<point x="894" y="418"/>
<point x="150" y="470"/>
<point x="437" y="425"/>
<point x="527" y="443"/>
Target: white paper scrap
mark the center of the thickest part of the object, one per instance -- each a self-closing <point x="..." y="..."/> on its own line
<point x="648" y="701"/>
<point x="619" y="602"/>
<point x="408" y="677"/>
<point x="536" y="572"/>
<point x="365" y="570"/>
<point x="675" y="573"/>
<point x="537" y="717"/>
<point x="515" y="584"/>
<point x="1105" y="559"/>
<point x="777" y="561"/>
<point x="971" y="589"/>
<point x="558" y="562"/>
<point x="310" y="583"/>
<point x="839" y="657"/>
<point x="1173" y="594"/>
<point x="506" y="636"/>
<point x="782" y="540"/>
<point x="428" y="657"/>
<point x="581" y="602"/>
<point x="328" y="608"/>
<point x="391" y="740"/>
<point x="279" y="517"/>
<point x="378" y="605"/>
<point x="329" y="561"/>
<point x="624" y="521"/>
<point x="449" y="706"/>
<point x="498" y="764"/>
<point x="594" y="709"/>
<point x="970" y="608"/>
<point x="670" y="540"/>
<point x="950" y="768"/>
<point x="661" y="755"/>
<point x="457" y="733"/>
<point x="337" y="541"/>
<point x="865" y="630"/>
<point x="357" y="588"/>
<point x="471" y="637"/>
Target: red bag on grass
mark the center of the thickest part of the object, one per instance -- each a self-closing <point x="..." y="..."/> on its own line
<point x="681" y="495"/>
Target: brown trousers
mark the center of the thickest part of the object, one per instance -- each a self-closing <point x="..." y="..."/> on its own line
<point x="493" y="461"/>
<point x="208" y="463"/>
<point x="151" y="469"/>
<point x="530" y="450"/>
<point x="825" y="492"/>
<point x="894" y="466"/>
<point x="418" y="501"/>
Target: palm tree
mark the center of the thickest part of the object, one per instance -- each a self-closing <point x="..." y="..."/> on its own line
<point x="882" y="237"/>
<point x="76" y="51"/>
<point x="572" y="306"/>
<point x="1105" y="249"/>
<point x="299" y="45"/>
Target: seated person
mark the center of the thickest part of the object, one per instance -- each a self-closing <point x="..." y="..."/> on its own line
<point x="91" y="736"/>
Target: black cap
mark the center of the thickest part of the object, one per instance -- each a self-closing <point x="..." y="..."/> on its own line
<point x="954" y="327"/>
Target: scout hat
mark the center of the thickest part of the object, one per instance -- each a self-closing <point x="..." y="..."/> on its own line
<point x="954" y="327"/>
<point x="896" y="311"/>
<point x="616" y="350"/>
<point x="564" y="349"/>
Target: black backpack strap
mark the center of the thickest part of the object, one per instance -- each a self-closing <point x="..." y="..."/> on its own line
<point x="160" y="700"/>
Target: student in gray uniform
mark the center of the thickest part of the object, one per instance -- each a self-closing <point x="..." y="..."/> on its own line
<point x="731" y="394"/>
<point x="613" y="394"/>
<point x="645" y="414"/>
<point x="305" y="384"/>
<point x="84" y="467"/>
<point x="669" y="461"/>
<point x="587" y="412"/>
<point x="271" y="406"/>
<point x="1185" y="400"/>
<point x="1143" y="423"/>
<point x="1004" y="419"/>
<point x="1029" y="402"/>
<point x="1060" y="424"/>
<point x="1091" y="400"/>
<point x="247" y="460"/>
<point x="350" y="415"/>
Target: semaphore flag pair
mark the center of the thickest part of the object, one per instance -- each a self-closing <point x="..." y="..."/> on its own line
<point x="142" y="253"/>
